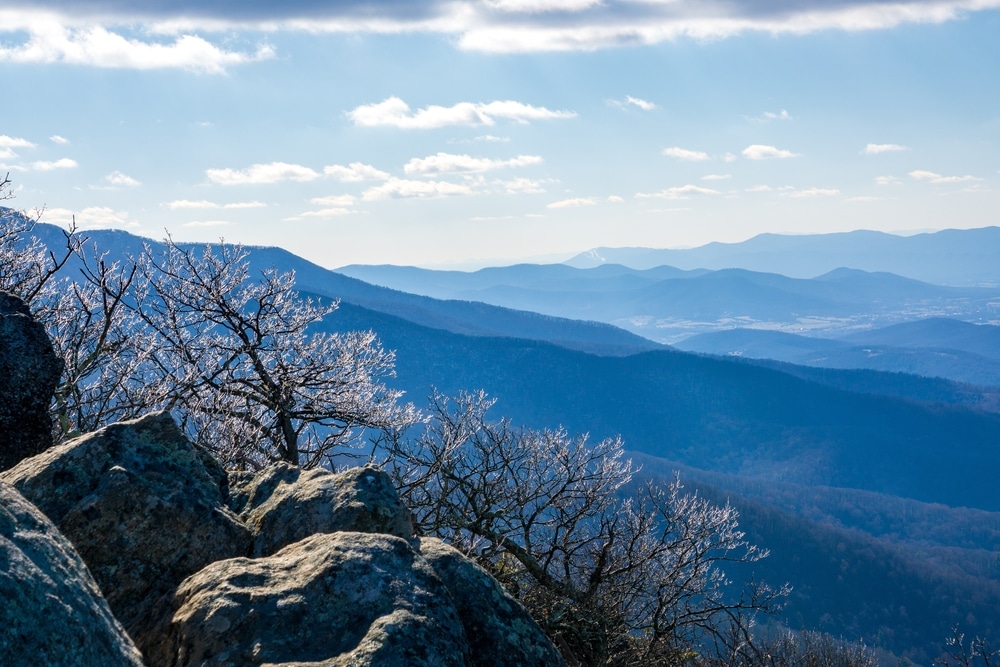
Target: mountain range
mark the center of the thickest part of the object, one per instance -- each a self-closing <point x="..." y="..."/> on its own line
<point x="947" y="257"/>
<point x="875" y="491"/>
<point x="666" y="304"/>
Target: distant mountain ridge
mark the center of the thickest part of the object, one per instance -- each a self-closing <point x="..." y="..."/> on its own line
<point x="949" y="257"/>
<point x="667" y="304"/>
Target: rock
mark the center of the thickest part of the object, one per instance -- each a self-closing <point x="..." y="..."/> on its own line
<point x="52" y="613"/>
<point x="29" y="374"/>
<point x="500" y="631"/>
<point x="283" y="504"/>
<point x="143" y="506"/>
<point x="335" y="600"/>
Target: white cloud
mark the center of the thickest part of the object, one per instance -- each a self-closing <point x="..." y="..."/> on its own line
<point x="729" y="157"/>
<point x="56" y="139"/>
<point x="117" y="178"/>
<point x="92" y="217"/>
<point x="685" y="154"/>
<point x="863" y="198"/>
<point x="680" y="192"/>
<point x="14" y="142"/>
<point x="811" y="192"/>
<point x="447" y="163"/>
<point x="633" y="101"/>
<point x="716" y="177"/>
<point x="394" y="112"/>
<point x="615" y="199"/>
<point x="50" y="41"/>
<point x="541" y="6"/>
<point x="481" y="25"/>
<point x="356" y="172"/>
<point x="262" y="174"/>
<point x="64" y="163"/>
<point x="398" y="188"/>
<point x="888" y="180"/>
<point x="759" y="188"/>
<point x="760" y="152"/>
<point x="875" y="149"/>
<point x="324" y="213"/>
<point x="491" y="139"/>
<point x="575" y="202"/>
<point x="202" y="204"/>
<point x="938" y="179"/>
<point x="521" y="186"/>
<point x="641" y="103"/>
<point x="768" y="116"/>
<point x="7" y="154"/>
<point x="333" y="200"/>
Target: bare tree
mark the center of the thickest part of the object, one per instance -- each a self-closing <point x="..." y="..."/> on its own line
<point x="244" y="368"/>
<point x="977" y="652"/>
<point x="615" y="571"/>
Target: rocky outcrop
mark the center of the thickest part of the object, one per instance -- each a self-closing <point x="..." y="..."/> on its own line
<point x="29" y="373"/>
<point x="51" y="611"/>
<point x="281" y="567"/>
<point x="143" y="506"/>
<point x="283" y="504"/>
<point x="500" y="632"/>
<point x="331" y="599"/>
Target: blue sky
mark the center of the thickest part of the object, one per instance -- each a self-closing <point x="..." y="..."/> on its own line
<point x="479" y="132"/>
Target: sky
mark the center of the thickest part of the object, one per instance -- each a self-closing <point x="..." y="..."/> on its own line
<point x="465" y="133"/>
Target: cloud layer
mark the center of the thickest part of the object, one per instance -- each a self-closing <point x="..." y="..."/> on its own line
<point x="97" y="32"/>
<point x="394" y="112"/>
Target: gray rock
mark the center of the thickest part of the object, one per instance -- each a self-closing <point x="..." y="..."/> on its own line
<point x="52" y="613"/>
<point x="283" y="504"/>
<point x="337" y="600"/>
<point x="143" y="506"/>
<point x="500" y="631"/>
<point x="29" y="373"/>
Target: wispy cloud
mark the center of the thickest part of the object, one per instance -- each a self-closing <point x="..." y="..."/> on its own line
<point x="759" y="188"/>
<point x="399" y="188"/>
<point x="51" y="41"/>
<point x="63" y="163"/>
<point x="333" y="212"/>
<point x="768" y="116"/>
<point x="629" y="100"/>
<point x="685" y="154"/>
<point x="447" y="163"/>
<point x="118" y="179"/>
<point x="521" y="186"/>
<point x="356" y="172"/>
<point x="333" y="200"/>
<point x="92" y="217"/>
<point x="394" y="112"/>
<point x="938" y="179"/>
<point x="203" y="204"/>
<point x="811" y="192"/>
<point x="56" y="139"/>
<point x="716" y="177"/>
<point x="14" y="142"/>
<point x="875" y="149"/>
<point x="262" y="174"/>
<point x="888" y="180"/>
<point x="679" y="192"/>
<point x="761" y="152"/>
<point x="575" y="202"/>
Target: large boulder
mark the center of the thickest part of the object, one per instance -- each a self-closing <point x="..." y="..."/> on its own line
<point x="51" y="611"/>
<point x="143" y="506"/>
<point x="29" y="373"/>
<point x="335" y="600"/>
<point x="283" y="504"/>
<point x="500" y="631"/>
